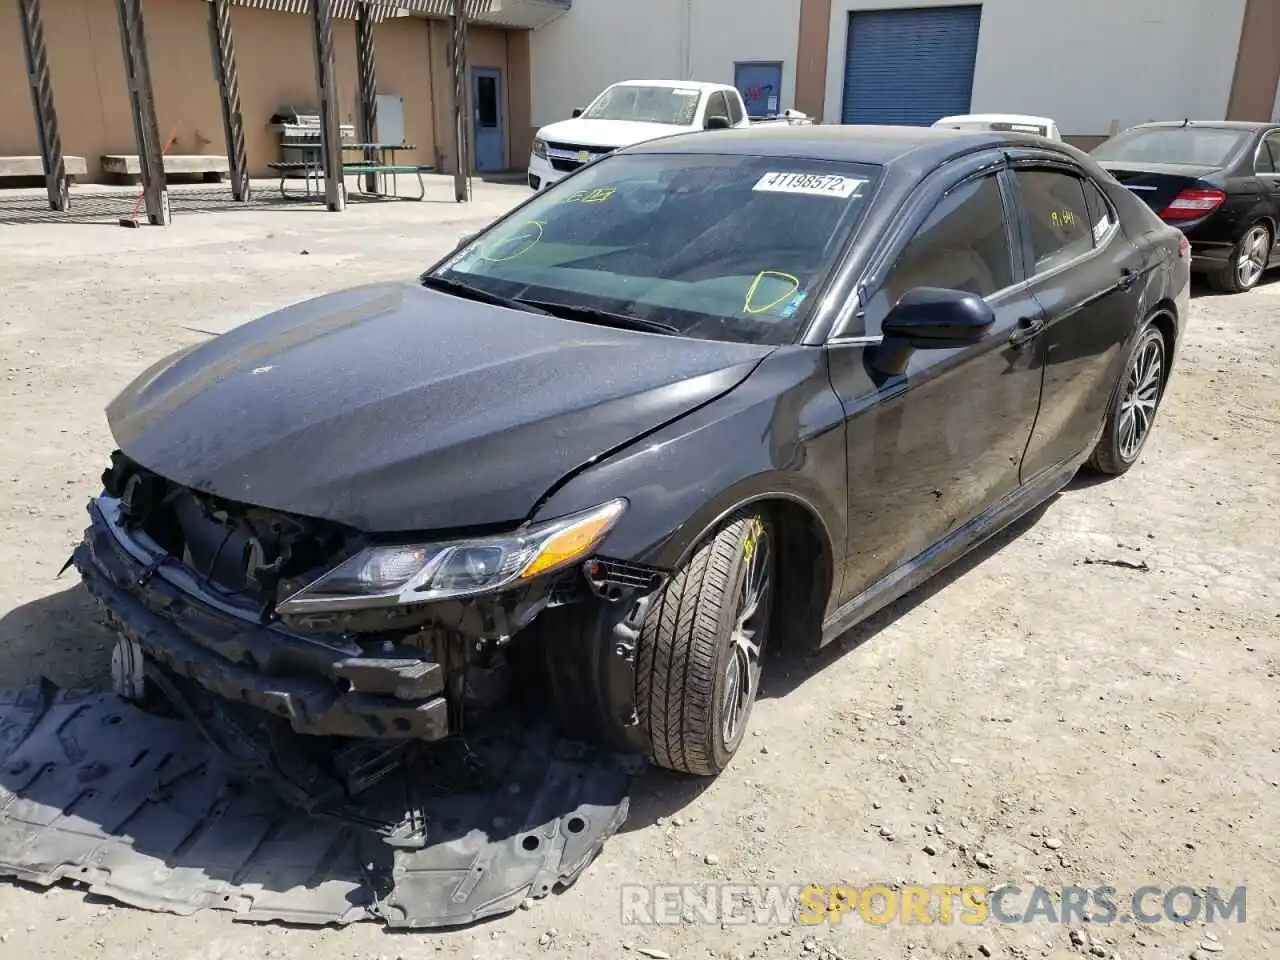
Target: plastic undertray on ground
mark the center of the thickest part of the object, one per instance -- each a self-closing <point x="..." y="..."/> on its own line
<point x="141" y="809"/>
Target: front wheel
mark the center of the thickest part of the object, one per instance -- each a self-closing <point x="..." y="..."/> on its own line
<point x="698" y="661"/>
<point x="1249" y="259"/>
<point x="1133" y="409"/>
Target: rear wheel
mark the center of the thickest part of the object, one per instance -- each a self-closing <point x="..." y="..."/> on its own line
<point x="1249" y="259"/>
<point x="1133" y="409"/>
<point x="699" y="655"/>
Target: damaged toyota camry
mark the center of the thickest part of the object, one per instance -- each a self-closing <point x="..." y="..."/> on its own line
<point x="710" y="395"/>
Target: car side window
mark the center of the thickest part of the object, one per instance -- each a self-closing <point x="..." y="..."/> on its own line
<point x="716" y="106"/>
<point x="1268" y="159"/>
<point x="736" y="113"/>
<point x="1101" y="216"/>
<point x="962" y="245"/>
<point x="1059" y="218"/>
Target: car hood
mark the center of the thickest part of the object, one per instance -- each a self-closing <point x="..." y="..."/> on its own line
<point x="396" y="408"/>
<point x="607" y="133"/>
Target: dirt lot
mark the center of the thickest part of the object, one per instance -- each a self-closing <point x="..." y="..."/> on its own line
<point x="1063" y="719"/>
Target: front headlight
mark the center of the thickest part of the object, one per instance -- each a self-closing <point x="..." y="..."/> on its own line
<point x="420" y="573"/>
<point x="540" y="148"/>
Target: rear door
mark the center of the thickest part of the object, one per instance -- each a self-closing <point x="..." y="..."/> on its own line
<point x="933" y="446"/>
<point x="1087" y="277"/>
<point x="1267" y="167"/>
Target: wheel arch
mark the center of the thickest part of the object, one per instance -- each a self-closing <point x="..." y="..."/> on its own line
<point x="804" y="562"/>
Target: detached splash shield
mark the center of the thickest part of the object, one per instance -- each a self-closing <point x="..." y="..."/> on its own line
<point x="142" y="809"/>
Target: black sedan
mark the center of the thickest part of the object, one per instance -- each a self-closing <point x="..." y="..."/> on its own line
<point x="710" y="394"/>
<point x="1218" y="182"/>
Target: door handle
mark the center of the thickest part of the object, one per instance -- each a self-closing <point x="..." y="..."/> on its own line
<point x="1127" y="277"/>
<point x="1026" y="329"/>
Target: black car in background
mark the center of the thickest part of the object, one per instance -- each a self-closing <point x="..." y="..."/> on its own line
<point x="708" y="394"/>
<point x="1218" y="182"/>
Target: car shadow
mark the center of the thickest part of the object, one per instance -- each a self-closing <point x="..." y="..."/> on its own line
<point x="660" y="793"/>
<point x="788" y="669"/>
<point x="60" y="636"/>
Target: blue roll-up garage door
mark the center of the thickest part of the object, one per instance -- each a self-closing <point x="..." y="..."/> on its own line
<point x="910" y="66"/>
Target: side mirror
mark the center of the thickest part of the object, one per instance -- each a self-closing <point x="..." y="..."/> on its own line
<point x="929" y="317"/>
<point x="718" y="123"/>
<point x="577" y="112"/>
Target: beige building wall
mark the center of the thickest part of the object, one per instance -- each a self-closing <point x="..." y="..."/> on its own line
<point x="276" y="67"/>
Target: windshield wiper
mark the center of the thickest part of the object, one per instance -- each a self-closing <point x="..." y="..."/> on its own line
<point x="604" y="318"/>
<point x="460" y="289"/>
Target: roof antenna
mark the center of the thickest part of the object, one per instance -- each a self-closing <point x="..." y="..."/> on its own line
<point x="1186" y="122"/>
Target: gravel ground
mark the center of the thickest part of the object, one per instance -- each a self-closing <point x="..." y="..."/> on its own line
<point x="1091" y="700"/>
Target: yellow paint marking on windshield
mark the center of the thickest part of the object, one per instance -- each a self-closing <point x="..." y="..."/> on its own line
<point x="747" y="306"/>
<point x="598" y="195"/>
<point x="524" y="241"/>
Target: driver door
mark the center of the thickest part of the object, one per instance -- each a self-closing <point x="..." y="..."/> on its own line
<point x="935" y="444"/>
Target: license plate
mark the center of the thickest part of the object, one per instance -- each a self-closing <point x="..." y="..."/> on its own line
<point x="584" y="156"/>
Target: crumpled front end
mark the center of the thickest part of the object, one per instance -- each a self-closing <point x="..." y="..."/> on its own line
<point x="205" y="590"/>
<point x="195" y="581"/>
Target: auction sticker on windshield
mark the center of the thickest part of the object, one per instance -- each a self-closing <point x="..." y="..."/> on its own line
<point x="814" y="184"/>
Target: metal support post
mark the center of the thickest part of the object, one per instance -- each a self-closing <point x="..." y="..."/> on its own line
<point x="330" y="135"/>
<point x="367" y="74"/>
<point x="55" y="169"/>
<point x="224" y="67"/>
<point x="142" y="106"/>
<point x="461" y="128"/>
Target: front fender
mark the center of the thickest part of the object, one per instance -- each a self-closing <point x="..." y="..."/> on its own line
<point x="779" y="435"/>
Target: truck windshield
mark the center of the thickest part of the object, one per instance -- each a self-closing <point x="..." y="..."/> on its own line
<point x="673" y="105"/>
<point x="719" y="247"/>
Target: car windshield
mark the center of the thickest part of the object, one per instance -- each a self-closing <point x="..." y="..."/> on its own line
<point x="673" y="105"/>
<point x="1192" y="146"/>
<point x="715" y="247"/>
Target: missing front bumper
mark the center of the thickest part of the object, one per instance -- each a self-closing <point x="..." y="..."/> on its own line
<point x="320" y="688"/>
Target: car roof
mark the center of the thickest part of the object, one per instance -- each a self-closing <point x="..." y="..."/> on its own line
<point x="682" y="84"/>
<point x="1209" y="124"/>
<point x="999" y="118"/>
<point x="850" y="143"/>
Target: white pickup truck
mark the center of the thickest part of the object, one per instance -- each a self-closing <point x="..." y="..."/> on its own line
<point x="634" y="111"/>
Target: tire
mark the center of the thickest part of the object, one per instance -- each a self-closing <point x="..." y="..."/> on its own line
<point x="1134" y="405"/>
<point x="696" y="674"/>
<point x="1249" y="259"/>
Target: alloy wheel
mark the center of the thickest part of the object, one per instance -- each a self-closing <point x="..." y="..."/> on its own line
<point x="1255" y="252"/>
<point x="744" y="666"/>
<point x="1141" y="396"/>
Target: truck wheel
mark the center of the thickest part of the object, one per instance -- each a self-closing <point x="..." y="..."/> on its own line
<point x="698" y="660"/>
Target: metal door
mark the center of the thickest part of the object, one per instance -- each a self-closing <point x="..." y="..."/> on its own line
<point x="761" y="87"/>
<point x="910" y="66"/>
<point x="486" y="110"/>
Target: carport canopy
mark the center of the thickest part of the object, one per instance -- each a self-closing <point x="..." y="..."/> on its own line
<point x="322" y="13"/>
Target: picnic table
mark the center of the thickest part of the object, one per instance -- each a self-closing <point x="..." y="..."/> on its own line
<point x="312" y="167"/>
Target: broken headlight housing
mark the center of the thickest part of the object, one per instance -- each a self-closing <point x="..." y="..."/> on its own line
<point x="396" y="575"/>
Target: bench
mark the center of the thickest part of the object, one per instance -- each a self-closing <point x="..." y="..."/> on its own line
<point x="309" y="170"/>
<point x="34" y="167"/>
<point x="314" y="170"/>
<point x="212" y="167"/>
<point x="358" y="168"/>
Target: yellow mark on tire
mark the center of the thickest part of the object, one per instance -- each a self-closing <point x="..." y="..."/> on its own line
<point x="754" y="529"/>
